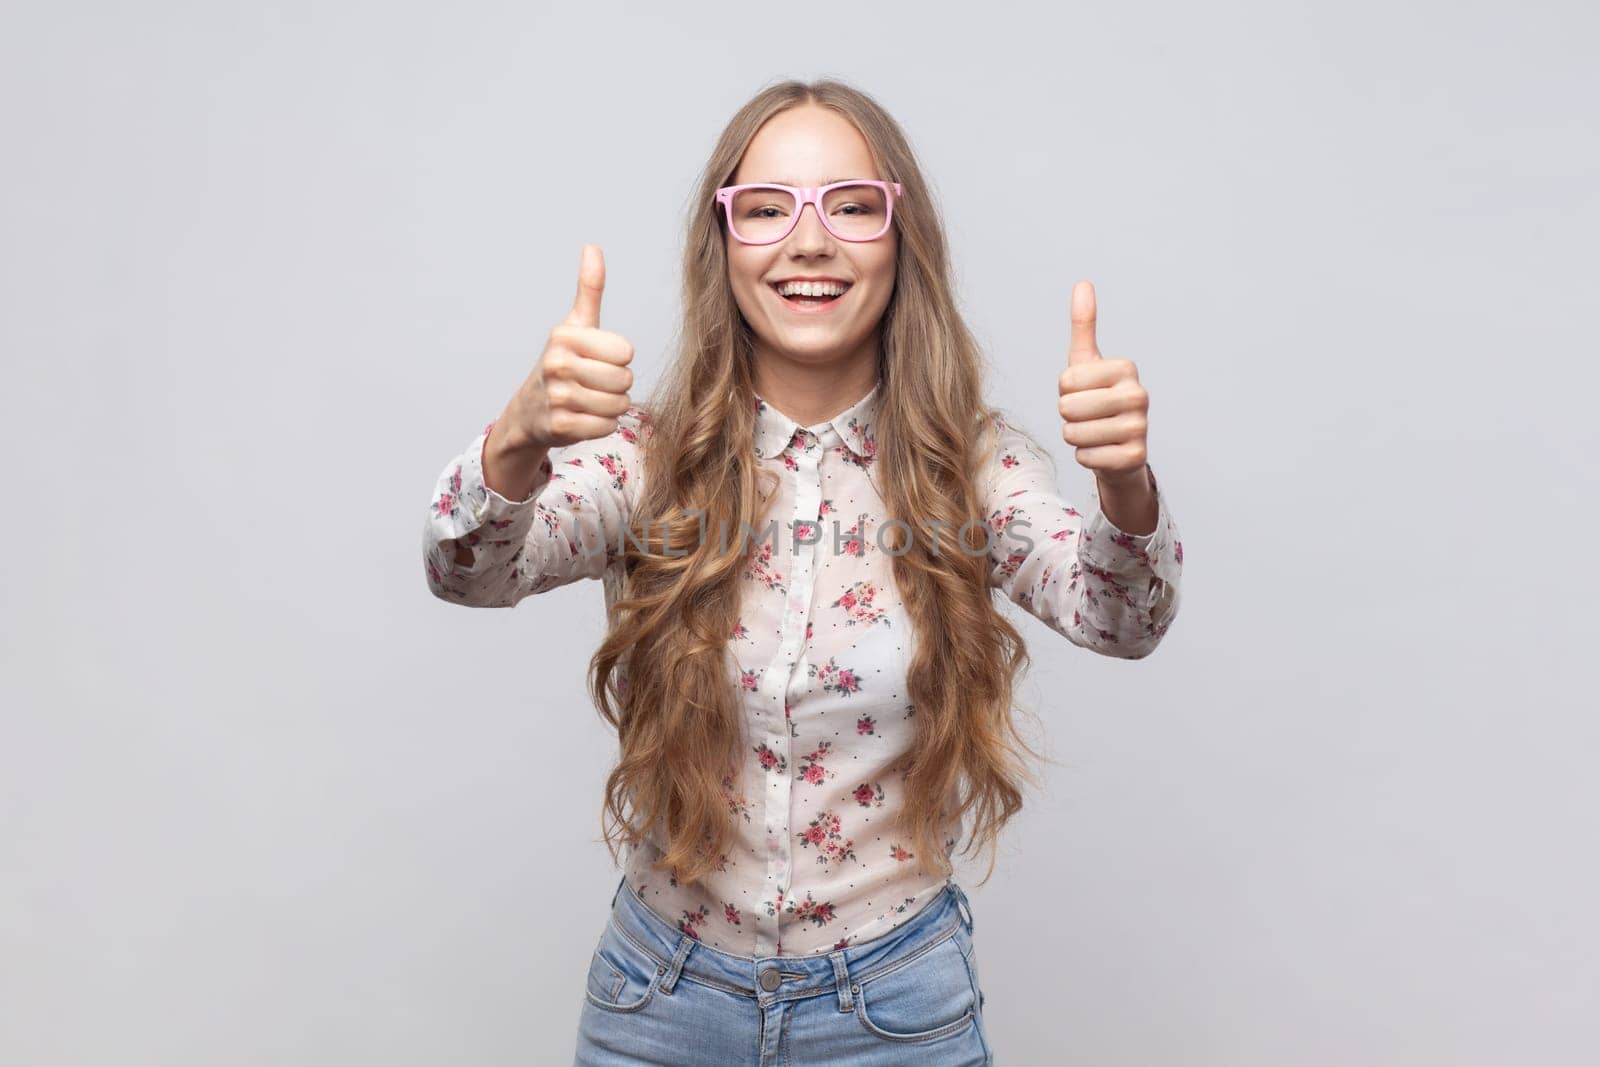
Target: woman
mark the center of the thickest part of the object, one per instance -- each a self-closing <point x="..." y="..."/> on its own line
<point x="799" y="538"/>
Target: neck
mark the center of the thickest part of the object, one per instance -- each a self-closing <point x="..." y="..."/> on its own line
<point x="810" y="392"/>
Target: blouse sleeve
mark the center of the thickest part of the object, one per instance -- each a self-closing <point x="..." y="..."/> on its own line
<point x="1103" y="589"/>
<point x="569" y="527"/>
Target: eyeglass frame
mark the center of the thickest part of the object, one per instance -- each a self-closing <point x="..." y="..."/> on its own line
<point x="812" y="194"/>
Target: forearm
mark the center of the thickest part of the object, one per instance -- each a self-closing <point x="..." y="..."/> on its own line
<point x="511" y="463"/>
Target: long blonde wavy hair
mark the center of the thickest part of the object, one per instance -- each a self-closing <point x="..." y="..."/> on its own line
<point x="661" y="675"/>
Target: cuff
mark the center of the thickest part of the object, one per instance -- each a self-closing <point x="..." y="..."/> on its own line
<point x="1110" y="548"/>
<point x="487" y="505"/>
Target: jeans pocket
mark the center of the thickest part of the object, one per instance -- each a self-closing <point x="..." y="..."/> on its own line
<point x="929" y="997"/>
<point x="622" y="975"/>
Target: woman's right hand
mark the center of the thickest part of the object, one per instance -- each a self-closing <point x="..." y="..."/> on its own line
<point x="580" y="385"/>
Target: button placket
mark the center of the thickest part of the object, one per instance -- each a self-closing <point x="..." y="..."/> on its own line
<point x="778" y="676"/>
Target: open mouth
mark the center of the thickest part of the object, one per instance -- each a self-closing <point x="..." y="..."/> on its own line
<point x="811" y="302"/>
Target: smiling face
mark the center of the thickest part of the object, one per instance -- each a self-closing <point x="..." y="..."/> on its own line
<point x="811" y="145"/>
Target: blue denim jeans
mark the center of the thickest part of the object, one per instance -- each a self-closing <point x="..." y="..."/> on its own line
<point x="655" y="995"/>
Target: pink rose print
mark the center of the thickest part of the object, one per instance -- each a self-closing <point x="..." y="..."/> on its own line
<point x="869" y="795"/>
<point x="1009" y="460"/>
<point x="737" y="804"/>
<point x="862" y="434"/>
<point x="824" y="833"/>
<point x="899" y="853"/>
<point x="825" y="508"/>
<point x="731" y="914"/>
<point x="445" y="502"/>
<point x="774" y="907"/>
<point x="740" y="633"/>
<point x="760" y="568"/>
<point x="770" y="760"/>
<point x="812" y="770"/>
<point x="691" y="919"/>
<point x="858" y="606"/>
<point x="552" y="522"/>
<point x="836" y="679"/>
<point x="613" y="465"/>
<point x="801" y="441"/>
<point x="865" y="724"/>
<point x="820" y="913"/>
<point x="747" y="681"/>
<point x="854" y="541"/>
<point x="999" y="518"/>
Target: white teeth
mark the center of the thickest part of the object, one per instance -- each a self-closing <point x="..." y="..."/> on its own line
<point x="811" y="288"/>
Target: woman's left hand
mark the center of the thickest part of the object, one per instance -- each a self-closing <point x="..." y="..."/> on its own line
<point x="1103" y="406"/>
<point x="1105" y="414"/>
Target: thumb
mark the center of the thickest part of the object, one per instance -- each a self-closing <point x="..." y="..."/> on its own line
<point x="1083" y="347"/>
<point x="591" y="283"/>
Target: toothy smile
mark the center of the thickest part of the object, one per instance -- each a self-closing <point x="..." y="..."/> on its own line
<point x="795" y="288"/>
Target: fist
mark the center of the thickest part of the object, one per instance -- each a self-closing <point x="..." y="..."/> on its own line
<point x="1103" y="407"/>
<point x="580" y="385"/>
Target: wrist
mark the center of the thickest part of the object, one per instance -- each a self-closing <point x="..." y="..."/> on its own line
<point x="508" y="438"/>
<point x="1126" y="481"/>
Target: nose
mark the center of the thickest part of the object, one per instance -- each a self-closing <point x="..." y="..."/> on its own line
<point x="809" y="232"/>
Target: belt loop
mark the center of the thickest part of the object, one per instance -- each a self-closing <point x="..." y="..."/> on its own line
<point x="963" y="905"/>
<point x="841" y="978"/>
<point x="676" y="968"/>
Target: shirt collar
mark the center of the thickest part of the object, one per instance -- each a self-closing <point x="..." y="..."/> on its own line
<point x="855" y="426"/>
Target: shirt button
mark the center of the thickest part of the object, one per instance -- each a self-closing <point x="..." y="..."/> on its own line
<point x="771" y="979"/>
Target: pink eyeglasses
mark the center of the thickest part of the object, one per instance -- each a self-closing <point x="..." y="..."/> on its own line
<point x="856" y="210"/>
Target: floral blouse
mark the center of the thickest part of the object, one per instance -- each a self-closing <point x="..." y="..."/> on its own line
<point x="819" y="654"/>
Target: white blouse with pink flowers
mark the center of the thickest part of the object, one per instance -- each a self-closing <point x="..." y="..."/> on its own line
<point x="819" y="654"/>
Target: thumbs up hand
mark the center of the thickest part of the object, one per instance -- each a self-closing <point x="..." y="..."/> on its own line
<point x="580" y="385"/>
<point x="1104" y="410"/>
<point x="1102" y="403"/>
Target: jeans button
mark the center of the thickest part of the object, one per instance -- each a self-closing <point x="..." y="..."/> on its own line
<point x="771" y="979"/>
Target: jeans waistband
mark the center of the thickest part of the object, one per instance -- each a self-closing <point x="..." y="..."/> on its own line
<point x="679" y="954"/>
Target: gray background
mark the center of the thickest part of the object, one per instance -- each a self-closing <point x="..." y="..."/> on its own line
<point x="267" y="268"/>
